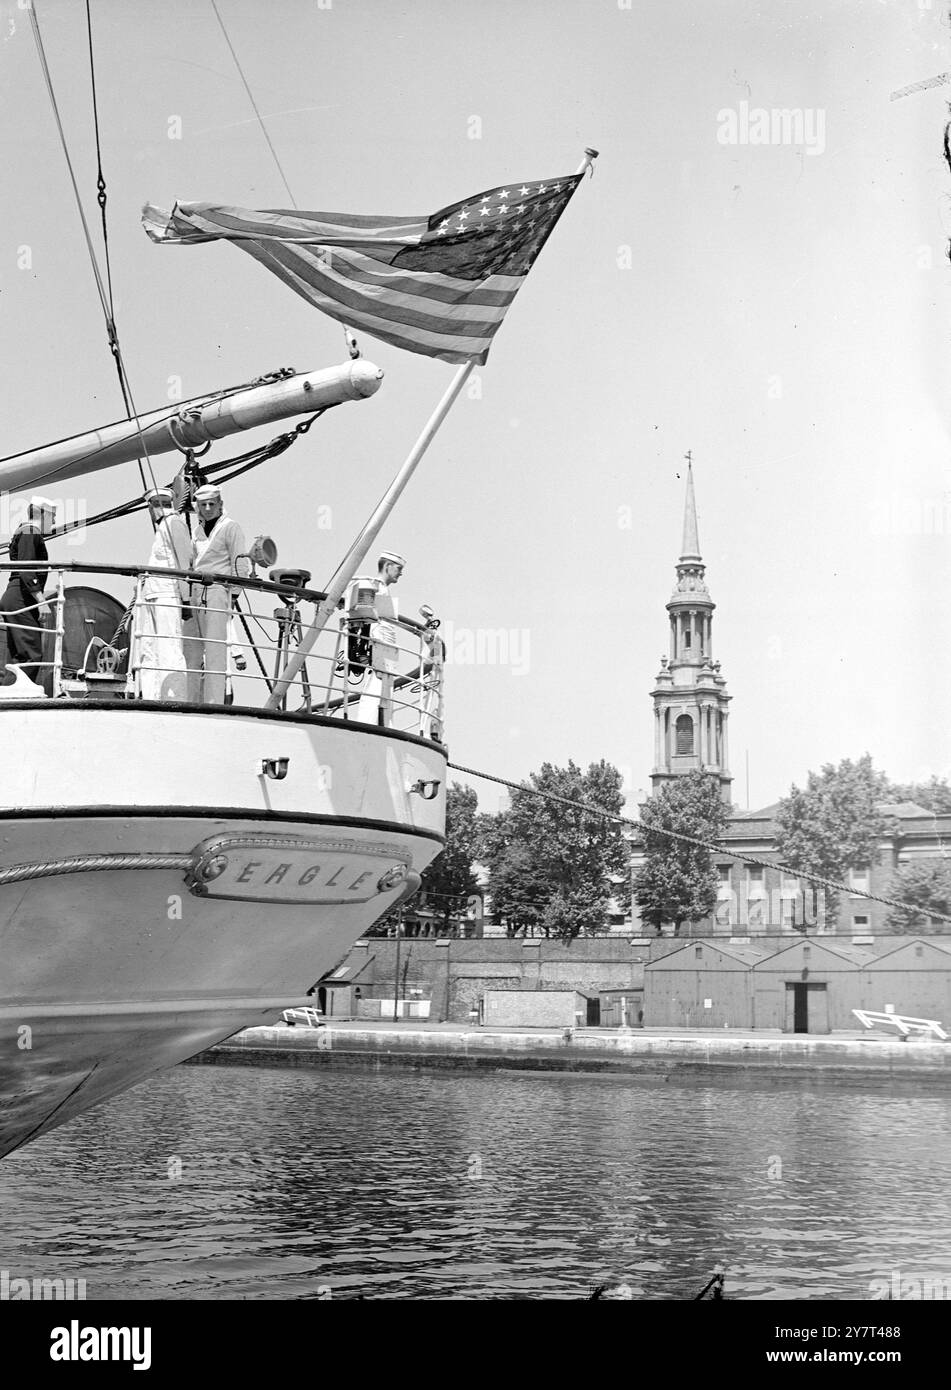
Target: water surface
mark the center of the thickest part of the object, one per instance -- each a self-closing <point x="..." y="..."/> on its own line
<point x="216" y="1182"/>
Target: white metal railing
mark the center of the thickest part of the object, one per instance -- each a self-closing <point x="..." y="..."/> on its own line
<point x="906" y="1025"/>
<point x="310" y="1018"/>
<point x="213" y="639"/>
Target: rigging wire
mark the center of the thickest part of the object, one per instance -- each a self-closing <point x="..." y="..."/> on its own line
<point x="348" y="335"/>
<point x="254" y="106"/>
<point x="100" y="179"/>
<point x="104" y="300"/>
<point x="718" y="848"/>
<point x="124" y="383"/>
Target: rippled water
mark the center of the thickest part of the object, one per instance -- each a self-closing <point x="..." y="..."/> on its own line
<point x="213" y="1182"/>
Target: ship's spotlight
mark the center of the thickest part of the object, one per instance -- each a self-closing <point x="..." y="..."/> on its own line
<point x="275" y="768"/>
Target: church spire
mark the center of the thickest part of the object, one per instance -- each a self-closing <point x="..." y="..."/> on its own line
<point x="690" y="548"/>
<point x="691" y="705"/>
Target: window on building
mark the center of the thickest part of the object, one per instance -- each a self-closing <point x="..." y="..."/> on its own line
<point x="788" y="884"/>
<point x="860" y="924"/>
<point x="859" y="880"/>
<point x="684" y="733"/>
<point x="698" y="952"/>
<point x="755" y="895"/>
<point x="724" y="916"/>
<point x="687" y="636"/>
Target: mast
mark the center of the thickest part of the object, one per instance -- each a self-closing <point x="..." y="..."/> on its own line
<point x="190" y="425"/>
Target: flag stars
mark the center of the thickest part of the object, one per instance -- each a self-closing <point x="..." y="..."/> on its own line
<point x="503" y="193"/>
<point x="485" y="212"/>
<point x="523" y="191"/>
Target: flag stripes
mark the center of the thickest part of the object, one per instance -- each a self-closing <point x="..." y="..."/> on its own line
<point x="436" y="285"/>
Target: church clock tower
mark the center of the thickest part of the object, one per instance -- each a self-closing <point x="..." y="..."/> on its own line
<point x="690" y="699"/>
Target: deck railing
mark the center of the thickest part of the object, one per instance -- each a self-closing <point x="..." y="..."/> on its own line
<point x="190" y="638"/>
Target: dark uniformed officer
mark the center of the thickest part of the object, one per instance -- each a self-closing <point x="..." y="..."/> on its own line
<point x="19" y="605"/>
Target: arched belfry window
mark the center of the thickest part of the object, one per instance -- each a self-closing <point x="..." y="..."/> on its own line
<point x="684" y="733"/>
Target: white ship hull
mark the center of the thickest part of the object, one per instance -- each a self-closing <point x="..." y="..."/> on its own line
<point x="181" y="894"/>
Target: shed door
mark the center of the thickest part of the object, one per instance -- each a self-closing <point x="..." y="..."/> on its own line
<point x="807" y="1008"/>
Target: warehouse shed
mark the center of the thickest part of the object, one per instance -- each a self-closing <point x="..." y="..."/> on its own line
<point x="702" y="985"/>
<point x="912" y="979"/>
<point x="810" y="987"/>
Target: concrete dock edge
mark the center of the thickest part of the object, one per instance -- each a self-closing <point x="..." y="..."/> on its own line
<point x="638" y="1052"/>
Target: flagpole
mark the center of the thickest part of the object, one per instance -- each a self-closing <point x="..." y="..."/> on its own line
<point x="360" y="548"/>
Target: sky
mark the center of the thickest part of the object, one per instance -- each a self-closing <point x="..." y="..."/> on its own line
<point x="776" y="306"/>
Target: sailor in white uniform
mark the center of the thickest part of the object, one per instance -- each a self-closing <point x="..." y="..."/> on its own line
<point x="161" y="656"/>
<point x="376" y="700"/>
<point x="219" y="547"/>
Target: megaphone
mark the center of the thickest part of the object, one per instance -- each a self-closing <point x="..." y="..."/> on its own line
<point x="263" y="552"/>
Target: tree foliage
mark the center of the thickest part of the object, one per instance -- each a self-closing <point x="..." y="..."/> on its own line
<point x="550" y="864"/>
<point x="927" y="884"/>
<point x="678" y="881"/>
<point x="933" y="795"/>
<point x="834" y="822"/>
<point x="450" y="878"/>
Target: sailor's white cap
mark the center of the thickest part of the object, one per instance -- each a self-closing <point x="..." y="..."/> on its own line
<point x="161" y="494"/>
<point x="208" y="492"/>
<point x="391" y="557"/>
<point x="42" y="504"/>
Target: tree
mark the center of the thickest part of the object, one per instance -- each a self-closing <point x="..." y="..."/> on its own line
<point x="549" y="863"/>
<point x="834" y="823"/>
<point x="678" y="881"/>
<point x="449" y="880"/>
<point x="927" y="884"/>
<point x="933" y="795"/>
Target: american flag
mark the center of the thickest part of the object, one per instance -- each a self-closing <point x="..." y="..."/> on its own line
<point x="437" y="285"/>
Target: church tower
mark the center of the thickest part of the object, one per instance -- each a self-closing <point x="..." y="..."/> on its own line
<point x="690" y="699"/>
